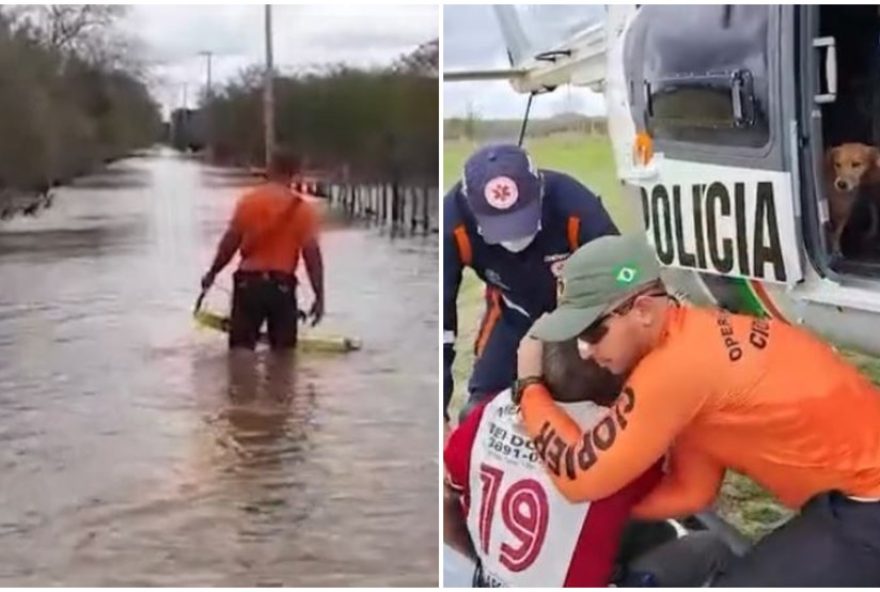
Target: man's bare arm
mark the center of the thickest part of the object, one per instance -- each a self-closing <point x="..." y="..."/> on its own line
<point x="315" y="269"/>
<point x="226" y="250"/>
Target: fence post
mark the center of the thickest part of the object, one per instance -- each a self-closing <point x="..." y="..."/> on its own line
<point x="374" y="203"/>
<point x="385" y="197"/>
<point x="426" y="211"/>
<point x="395" y="204"/>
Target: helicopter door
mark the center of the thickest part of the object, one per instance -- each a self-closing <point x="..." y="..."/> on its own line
<point x="840" y="111"/>
<point x="703" y="84"/>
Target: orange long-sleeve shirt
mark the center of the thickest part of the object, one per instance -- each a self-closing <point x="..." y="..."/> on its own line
<point x="721" y="391"/>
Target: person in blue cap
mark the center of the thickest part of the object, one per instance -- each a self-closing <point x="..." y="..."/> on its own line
<point x="514" y="225"/>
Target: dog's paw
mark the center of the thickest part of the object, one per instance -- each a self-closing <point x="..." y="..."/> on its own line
<point x="836" y="255"/>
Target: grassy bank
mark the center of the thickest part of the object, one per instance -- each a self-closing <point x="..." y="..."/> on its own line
<point x="743" y="503"/>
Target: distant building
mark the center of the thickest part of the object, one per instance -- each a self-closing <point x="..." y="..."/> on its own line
<point x="187" y="130"/>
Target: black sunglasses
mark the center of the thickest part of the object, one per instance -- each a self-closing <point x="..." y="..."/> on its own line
<point x="598" y="329"/>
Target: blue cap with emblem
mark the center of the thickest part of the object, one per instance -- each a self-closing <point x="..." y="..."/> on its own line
<point x="503" y="190"/>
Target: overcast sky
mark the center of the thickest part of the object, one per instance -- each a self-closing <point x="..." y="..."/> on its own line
<point x="472" y="40"/>
<point x="172" y="37"/>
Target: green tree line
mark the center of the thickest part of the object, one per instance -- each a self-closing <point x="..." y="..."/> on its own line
<point x="475" y="129"/>
<point x="69" y="100"/>
<point x="369" y="125"/>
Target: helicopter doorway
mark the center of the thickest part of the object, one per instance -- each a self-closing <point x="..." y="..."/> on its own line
<point x="846" y="51"/>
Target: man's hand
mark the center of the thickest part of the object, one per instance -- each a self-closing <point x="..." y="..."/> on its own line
<point x="317" y="311"/>
<point x="529" y="357"/>
<point x="208" y="280"/>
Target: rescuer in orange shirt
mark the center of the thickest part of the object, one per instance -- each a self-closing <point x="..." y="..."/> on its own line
<point x="271" y="226"/>
<point x="713" y="391"/>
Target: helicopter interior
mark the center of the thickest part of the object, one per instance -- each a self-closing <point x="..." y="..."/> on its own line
<point x="852" y="173"/>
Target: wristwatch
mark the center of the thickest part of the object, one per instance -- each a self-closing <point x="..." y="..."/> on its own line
<point x="520" y="384"/>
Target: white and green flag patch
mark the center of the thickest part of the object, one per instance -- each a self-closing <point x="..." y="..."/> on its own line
<point x="626" y="274"/>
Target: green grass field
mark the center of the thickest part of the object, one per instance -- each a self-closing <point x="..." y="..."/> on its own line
<point x="589" y="159"/>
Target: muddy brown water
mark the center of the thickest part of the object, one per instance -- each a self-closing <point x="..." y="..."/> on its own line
<point x="135" y="451"/>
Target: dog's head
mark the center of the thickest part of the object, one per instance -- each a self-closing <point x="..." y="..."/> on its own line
<point x="850" y="162"/>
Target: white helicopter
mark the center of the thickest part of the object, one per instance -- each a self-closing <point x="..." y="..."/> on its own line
<point x="720" y="118"/>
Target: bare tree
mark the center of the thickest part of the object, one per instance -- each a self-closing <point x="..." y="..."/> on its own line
<point x="68" y="99"/>
<point x="71" y="27"/>
<point x="86" y="31"/>
<point x="424" y="61"/>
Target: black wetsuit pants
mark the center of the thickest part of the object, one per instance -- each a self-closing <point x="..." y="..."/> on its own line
<point x="263" y="296"/>
<point x="833" y="542"/>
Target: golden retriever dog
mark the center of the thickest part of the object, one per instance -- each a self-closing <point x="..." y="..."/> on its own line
<point x="851" y="166"/>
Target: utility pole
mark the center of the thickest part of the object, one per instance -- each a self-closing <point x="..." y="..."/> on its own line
<point x="208" y="55"/>
<point x="206" y="109"/>
<point x="268" y="99"/>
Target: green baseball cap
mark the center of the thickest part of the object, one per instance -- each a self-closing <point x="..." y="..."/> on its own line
<point x="597" y="275"/>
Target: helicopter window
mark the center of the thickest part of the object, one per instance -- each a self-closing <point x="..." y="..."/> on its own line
<point x="703" y="76"/>
<point x="688" y="107"/>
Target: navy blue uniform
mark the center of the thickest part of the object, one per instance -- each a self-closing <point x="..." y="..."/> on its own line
<point x="520" y="287"/>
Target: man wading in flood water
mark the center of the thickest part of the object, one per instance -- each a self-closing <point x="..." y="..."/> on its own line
<point x="271" y="226"/>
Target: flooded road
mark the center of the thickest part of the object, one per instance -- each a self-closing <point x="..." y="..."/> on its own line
<point x="130" y="453"/>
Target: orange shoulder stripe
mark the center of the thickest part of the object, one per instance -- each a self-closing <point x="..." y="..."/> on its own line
<point x="464" y="244"/>
<point x="574" y="231"/>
